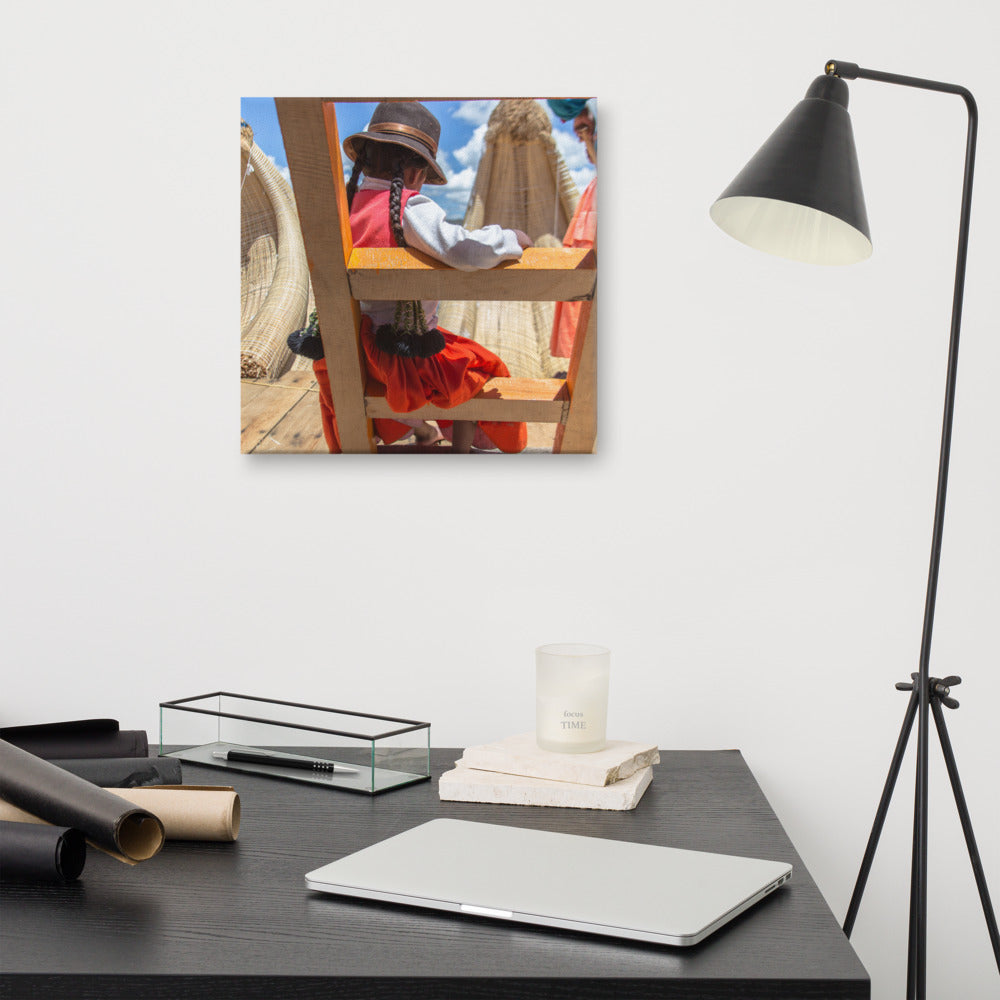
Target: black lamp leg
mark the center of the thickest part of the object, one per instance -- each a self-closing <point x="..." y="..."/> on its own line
<point x="970" y="839"/>
<point x="883" y="809"/>
<point x="916" y="969"/>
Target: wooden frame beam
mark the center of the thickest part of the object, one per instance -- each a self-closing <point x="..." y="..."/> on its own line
<point x="578" y="431"/>
<point x="312" y="147"/>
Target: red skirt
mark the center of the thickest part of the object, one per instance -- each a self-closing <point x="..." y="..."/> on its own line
<point x="452" y="376"/>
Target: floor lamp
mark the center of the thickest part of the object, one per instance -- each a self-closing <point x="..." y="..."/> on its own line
<point x="800" y="197"/>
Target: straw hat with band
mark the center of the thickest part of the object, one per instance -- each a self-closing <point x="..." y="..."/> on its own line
<point x="402" y="123"/>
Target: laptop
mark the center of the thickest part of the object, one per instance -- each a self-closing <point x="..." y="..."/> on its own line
<point x="636" y="891"/>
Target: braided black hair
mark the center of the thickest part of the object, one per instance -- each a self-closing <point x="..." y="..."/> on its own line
<point x="360" y="162"/>
<point x="396" y="203"/>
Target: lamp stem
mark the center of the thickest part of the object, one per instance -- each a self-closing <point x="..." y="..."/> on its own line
<point x="920" y="969"/>
<point x="917" y="979"/>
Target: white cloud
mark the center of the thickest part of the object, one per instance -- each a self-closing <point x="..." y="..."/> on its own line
<point x="583" y="176"/>
<point x="460" y="166"/>
<point x="573" y="151"/>
<point x="463" y="179"/>
<point x="455" y="197"/>
<point x="474" y="112"/>
<point x="470" y="154"/>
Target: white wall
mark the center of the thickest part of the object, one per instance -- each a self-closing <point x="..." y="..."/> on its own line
<point x="752" y="539"/>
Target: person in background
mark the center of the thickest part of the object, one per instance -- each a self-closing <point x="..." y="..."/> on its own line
<point x="582" y="230"/>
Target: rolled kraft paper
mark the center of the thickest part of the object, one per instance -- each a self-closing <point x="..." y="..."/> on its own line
<point x="78" y="738"/>
<point x="55" y="796"/>
<point x="125" y="772"/>
<point x="41" y="853"/>
<point x="187" y="812"/>
<point x="190" y="812"/>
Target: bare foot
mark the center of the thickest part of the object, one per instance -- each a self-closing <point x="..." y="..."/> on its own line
<point x="427" y="434"/>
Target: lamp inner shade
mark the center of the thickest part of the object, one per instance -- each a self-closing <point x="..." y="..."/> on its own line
<point x="789" y="230"/>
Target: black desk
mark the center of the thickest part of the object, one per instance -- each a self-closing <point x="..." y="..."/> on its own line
<point x="235" y="920"/>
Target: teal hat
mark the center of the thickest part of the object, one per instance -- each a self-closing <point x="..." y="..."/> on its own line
<point x="566" y="108"/>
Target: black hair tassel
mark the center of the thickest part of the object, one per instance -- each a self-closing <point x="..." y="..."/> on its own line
<point x="408" y="336"/>
<point x="393" y="341"/>
<point x="431" y="343"/>
<point x="307" y="340"/>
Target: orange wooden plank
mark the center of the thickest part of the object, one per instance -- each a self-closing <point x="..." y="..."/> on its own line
<point x="540" y="400"/>
<point x="543" y="274"/>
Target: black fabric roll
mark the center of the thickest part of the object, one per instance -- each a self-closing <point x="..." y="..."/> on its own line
<point x="35" y="853"/>
<point x="63" y="799"/>
<point x="125" y="772"/>
<point x="78" y="738"/>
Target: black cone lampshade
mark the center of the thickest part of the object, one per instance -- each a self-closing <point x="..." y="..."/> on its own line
<point x="800" y="196"/>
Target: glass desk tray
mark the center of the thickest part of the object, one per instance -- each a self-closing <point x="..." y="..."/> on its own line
<point x="370" y="753"/>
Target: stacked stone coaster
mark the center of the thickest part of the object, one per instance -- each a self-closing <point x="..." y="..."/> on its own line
<point x="515" y="771"/>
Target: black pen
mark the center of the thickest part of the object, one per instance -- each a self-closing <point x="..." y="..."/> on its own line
<point x="275" y="760"/>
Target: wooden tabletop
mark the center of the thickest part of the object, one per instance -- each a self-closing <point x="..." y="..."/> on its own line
<point x="235" y="920"/>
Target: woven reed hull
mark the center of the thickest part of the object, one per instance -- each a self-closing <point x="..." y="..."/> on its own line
<point x="274" y="273"/>
<point x="524" y="186"/>
<point x="522" y="182"/>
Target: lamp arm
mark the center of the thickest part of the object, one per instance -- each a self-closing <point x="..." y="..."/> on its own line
<point x="851" y="71"/>
<point x="918" y="899"/>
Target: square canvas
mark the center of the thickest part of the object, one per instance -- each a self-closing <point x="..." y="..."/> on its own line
<point x="456" y="320"/>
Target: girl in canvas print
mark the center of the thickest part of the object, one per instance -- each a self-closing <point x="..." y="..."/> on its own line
<point x="404" y="349"/>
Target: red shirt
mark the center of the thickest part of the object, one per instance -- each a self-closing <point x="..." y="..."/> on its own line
<point x="370" y="218"/>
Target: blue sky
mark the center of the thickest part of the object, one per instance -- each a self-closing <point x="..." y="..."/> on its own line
<point x="463" y="127"/>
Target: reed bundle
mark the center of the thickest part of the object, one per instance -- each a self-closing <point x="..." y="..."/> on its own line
<point x="274" y="274"/>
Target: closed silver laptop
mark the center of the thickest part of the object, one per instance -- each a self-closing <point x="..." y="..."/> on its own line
<point x="637" y="891"/>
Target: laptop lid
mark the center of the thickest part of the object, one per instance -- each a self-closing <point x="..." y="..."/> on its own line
<point x="638" y="891"/>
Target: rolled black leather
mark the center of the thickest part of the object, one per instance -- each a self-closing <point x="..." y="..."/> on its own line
<point x="78" y="738"/>
<point x="125" y="772"/>
<point x="64" y="799"/>
<point x="37" y="853"/>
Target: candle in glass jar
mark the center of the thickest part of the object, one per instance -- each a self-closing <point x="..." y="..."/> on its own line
<point x="571" y="708"/>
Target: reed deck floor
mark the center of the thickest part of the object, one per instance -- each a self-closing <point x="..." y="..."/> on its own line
<point x="281" y="416"/>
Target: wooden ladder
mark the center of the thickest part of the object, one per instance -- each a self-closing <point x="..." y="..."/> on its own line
<point x="342" y="275"/>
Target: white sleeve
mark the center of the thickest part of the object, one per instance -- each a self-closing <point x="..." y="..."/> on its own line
<point x="426" y="229"/>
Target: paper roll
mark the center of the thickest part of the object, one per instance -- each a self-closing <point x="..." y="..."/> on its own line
<point x="41" y="853"/>
<point x="55" y="796"/>
<point x="79" y="738"/>
<point x="190" y="812"/>
<point x="187" y="812"/>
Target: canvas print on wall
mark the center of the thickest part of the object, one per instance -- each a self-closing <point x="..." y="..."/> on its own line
<point x="418" y="276"/>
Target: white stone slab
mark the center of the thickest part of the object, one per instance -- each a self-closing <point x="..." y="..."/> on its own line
<point x="467" y="784"/>
<point x="522" y="755"/>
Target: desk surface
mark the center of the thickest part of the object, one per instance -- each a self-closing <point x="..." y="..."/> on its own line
<point x="235" y="920"/>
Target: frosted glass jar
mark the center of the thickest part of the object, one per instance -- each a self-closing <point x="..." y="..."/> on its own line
<point x="571" y="707"/>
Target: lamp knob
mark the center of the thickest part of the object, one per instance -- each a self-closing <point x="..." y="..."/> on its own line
<point x="845" y="70"/>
